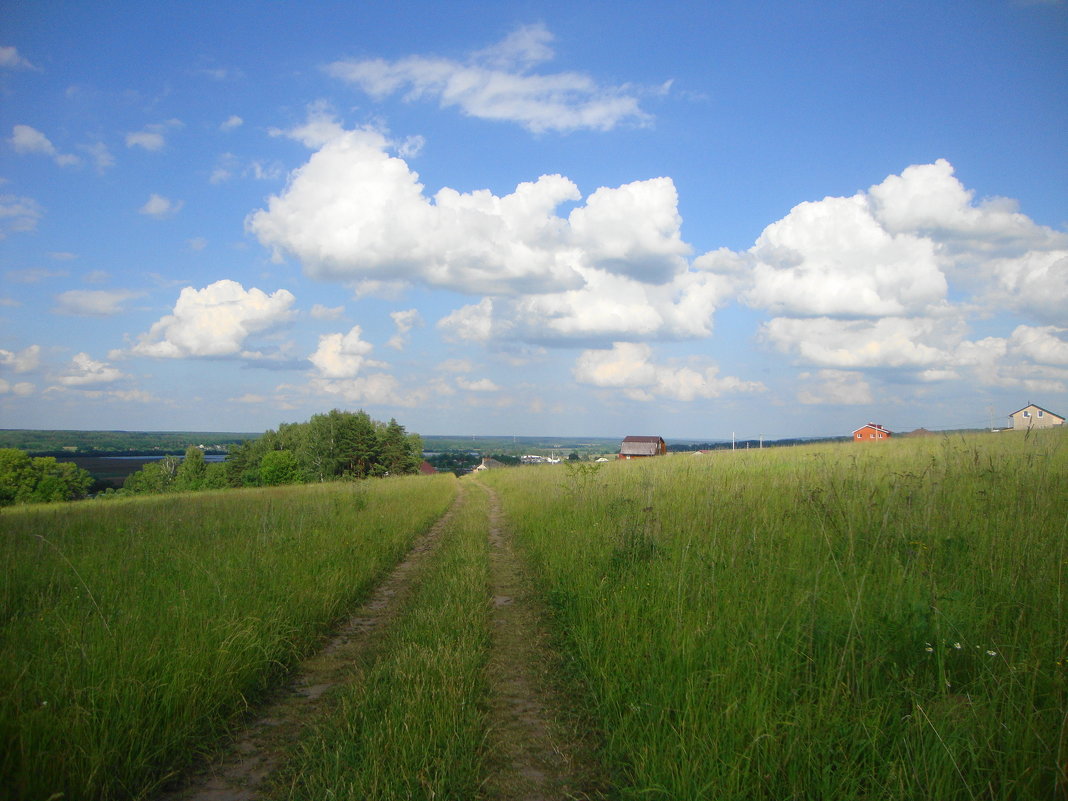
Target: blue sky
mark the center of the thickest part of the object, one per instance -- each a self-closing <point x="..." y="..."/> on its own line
<point x="688" y="219"/>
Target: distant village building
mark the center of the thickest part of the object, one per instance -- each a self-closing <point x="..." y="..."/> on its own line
<point x="638" y="447"/>
<point x="427" y="469"/>
<point x="1032" y="416"/>
<point x="920" y="432"/>
<point x="872" y="432"/>
<point x="489" y="463"/>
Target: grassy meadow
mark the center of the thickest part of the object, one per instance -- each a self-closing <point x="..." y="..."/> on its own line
<point x="875" y="621"/>
<point x="885" y="621"/>
<point x="134" y="632"/>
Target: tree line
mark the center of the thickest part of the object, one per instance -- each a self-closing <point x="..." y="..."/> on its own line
<point x="328" y="447"/>
<point x="331" y="446"/>
<point x="39" y="479"/>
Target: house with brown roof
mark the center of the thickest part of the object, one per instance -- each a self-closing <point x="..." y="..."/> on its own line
<point x="1032" y="416"/>
<point x="872" y="432"/>
<point x="639" y="447"/>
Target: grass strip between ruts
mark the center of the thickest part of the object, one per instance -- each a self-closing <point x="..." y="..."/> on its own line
<point x="412" y="723"/>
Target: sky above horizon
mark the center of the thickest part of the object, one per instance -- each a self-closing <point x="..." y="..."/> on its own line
<point x="695" y="220"/>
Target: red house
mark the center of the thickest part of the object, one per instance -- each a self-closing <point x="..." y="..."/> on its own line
<point x="872" y="432"/>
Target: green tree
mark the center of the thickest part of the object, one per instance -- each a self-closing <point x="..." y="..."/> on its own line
<point x="279" y="467"/>
<point x="216" y="476"/>
<point x="159" y="476"/>
<point x="16" y="471"/>
<point x="192" y="471"/>
<point x="39" y="479"/>
<point x="397" y="456"/>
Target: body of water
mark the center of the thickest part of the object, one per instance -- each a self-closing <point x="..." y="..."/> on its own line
<point x="112" y="470"/>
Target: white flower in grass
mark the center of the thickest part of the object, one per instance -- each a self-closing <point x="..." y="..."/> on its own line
<point x="991" y="653"/>
<point x="957" y="645"/>
<point x="928" y="648"/>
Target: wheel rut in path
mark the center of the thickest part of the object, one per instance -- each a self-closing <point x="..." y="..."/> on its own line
<point x="258" y="749"/>
<point x="535" y="747"/>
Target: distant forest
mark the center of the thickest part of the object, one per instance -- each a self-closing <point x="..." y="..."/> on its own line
<point x="109" y="443"/>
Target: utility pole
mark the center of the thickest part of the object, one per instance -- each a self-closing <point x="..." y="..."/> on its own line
<point x="761" y="441"/>
<point x="732" y="440"/>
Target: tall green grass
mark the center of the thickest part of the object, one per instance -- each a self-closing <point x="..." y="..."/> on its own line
<point x="133" y="633"/>
<point x="412" y="723"/>
<point x="846" y="621"/>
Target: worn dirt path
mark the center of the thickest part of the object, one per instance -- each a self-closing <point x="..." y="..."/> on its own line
<point x="257" y="750"/>
<point x="536" y="749"/>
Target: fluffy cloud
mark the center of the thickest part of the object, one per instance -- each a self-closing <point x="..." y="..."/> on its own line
<point x="615" y="267"/>
<point x="343" y="356"/>
<point x="497" y="84"/>
<point x="405" y="321"/>
<point x="889" y="278"/>
<point x="608" y="308"/>
<point x="354" y="212"/>
<point x="377" y="389"/>
<point x="627" y="367"/>
<point x="25" y="139"/>
<point x="18" y="214"/>
<point x="215" y="322"/>
<point x="231" y="122"/>
<point x="1034" y="284"/>
<point x="888" y="342"/>
<point x="1043" y="345"/>
<point x="320" y="126"/>
<point x="321" y="312"/>
<point x="834" y="387"/>
<point x="479" y="385"/>
<point x="832" y="257"/>
<point x="153" y="137"/>
<point x="632" y="230"/>
<point x="20" y="388"/>
<point x="84" y="371"/>
<point x="92" y="302"/>
<point x="927" y="199"/>
<point x="24" y="361"/>
<point x="160" y="207"/>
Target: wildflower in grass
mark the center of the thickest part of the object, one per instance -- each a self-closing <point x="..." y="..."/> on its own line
<point x="929" y="648"/>
<point x="991" y="653"/>
<point x="957" y="645"/>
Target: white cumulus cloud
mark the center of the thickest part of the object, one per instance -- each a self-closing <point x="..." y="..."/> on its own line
<point x="836" y="387"/>
<point x="479" y="385"/>
<point x="614" y="266"/>
<point x="343" y="356"/>
<point x="24" y="361"/>
<point x="160" y="207"/>
<point x="26" y="139"/>
<point x="215" y="322"/>
<point x="19" y="388"/>
<point x="404" y="321"/>
<point x="628" y="366"/>
<point x="152" y="137"/>
<point x="84" y="371"/>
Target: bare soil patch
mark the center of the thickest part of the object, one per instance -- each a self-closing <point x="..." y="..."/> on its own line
<point x="537" y="745"/>
<point x="239" y="773"/>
